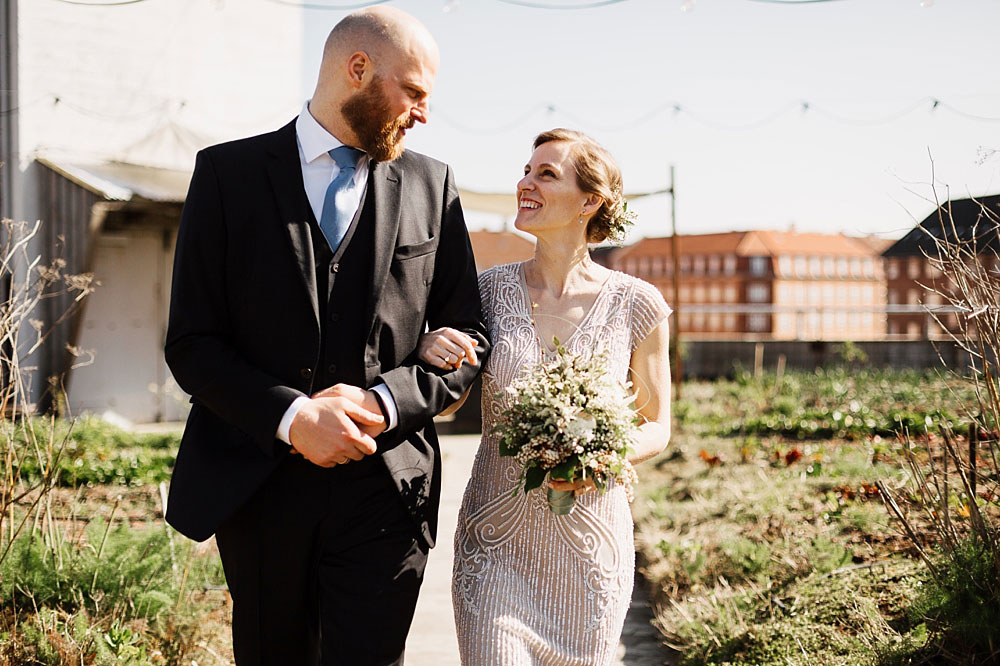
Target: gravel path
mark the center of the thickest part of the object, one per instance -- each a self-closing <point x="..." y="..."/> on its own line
<point x="432" y="639"/>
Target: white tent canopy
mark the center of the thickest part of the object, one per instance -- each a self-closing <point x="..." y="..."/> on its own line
<point x="505" y="203"/>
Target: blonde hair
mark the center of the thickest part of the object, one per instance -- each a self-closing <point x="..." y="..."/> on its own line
<point x="596" y="173"/>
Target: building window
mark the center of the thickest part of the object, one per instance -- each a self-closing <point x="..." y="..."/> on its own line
<point x="893" y="269"/>
<point x="685" y="293"/>
<point x="785" y="266"/>
<point x="630" y="266"/>
<point x="685" y="264"/>
<point x="729" y="264"/>
<point x="854" y="293"/>
<point x="814" y="266"/>
<point x="644" y="266"/>
<point x="828" y="267"/>
<point x="828" y="294"/>
<point x="869" y="265"/>
<point x="800" y="266"/>
<point x="699" y="293"/>
<point x="713" y="264"/>
<point x="668" y="266"/>
<point x="855" y="267"/>
<point x="758" y="265"/>
<point x="914" y="267"/>
<point x="715" y="293"/>
<point x="842" y="267"/>
<point x="656" y="267"/>
<point x="757" y="321"/>
<point x="699" y="264"/>
<point x="757" y="293"/>
<point x="714" y="321"/>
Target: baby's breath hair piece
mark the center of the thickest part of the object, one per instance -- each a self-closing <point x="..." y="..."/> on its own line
<point x="620" y="218"/>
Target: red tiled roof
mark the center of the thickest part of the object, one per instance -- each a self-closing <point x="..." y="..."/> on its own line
<point x="756" y="242"/>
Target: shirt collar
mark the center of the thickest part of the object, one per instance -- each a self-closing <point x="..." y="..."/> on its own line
<point x="313" y="137"/>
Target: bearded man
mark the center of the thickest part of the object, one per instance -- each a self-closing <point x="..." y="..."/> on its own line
<point x="309" y="261"/>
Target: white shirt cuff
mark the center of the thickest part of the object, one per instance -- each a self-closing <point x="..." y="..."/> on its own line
<point x="286" y="420"/>
<point x="392" y="412"/>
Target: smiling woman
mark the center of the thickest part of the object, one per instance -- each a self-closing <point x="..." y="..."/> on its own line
<point x="531" y="587"/>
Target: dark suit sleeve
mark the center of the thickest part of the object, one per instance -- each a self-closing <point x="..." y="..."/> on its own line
<point x="200" y="347"/>
<point x="419" y="389"/>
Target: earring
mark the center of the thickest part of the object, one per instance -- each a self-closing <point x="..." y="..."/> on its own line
<point x="580" y="221"/>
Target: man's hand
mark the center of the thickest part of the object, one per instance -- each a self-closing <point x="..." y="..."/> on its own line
<point x="327" y="431"/>
<point x="362" y="398"/>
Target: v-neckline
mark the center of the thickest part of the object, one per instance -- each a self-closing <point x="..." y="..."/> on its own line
<point x="530" y="315"/>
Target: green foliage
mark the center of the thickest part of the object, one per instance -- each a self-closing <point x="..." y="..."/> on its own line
<point x="748" y="558"/>
<point x="830" y="403"/>
<point x="112" y="597"/>
<point x="129" y="572"/>
<point x="962" y="604"/>
<point x="827" y="555"/>
<point x="97" y="452"/>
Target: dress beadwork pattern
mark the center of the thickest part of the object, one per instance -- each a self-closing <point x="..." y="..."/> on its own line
<point x="531" y="588"/>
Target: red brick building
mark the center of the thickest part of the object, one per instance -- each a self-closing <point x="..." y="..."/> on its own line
<point x="767" y="284"/>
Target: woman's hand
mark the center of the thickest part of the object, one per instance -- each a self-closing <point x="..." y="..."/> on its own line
<point x="446" y="348"/>
<point x="578" y="487"/>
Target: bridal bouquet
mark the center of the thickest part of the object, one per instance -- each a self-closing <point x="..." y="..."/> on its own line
<point x="569" y="421"/>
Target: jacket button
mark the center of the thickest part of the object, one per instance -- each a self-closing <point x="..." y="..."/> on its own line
<point x="333" y="368"/>
<point x="306" y="373"/>
<point x="334" y="268"/>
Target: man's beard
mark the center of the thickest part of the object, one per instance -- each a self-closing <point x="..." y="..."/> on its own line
<point x="368" y="114"/>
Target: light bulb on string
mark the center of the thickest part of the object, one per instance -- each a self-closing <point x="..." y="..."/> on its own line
<point x="926" y="3"/>
<point x="687" y="5"/>
<point x="450" y="6"/>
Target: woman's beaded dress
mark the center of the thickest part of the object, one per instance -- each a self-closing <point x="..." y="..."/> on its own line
<point x="530" y="587"/>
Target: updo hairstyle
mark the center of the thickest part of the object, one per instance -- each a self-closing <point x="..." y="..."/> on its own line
<point x="596" y="173"/>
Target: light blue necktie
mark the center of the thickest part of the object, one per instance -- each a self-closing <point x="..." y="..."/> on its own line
<point x="337" y="209"/>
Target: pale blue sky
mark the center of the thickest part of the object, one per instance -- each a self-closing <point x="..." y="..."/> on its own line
<point x="728" y="63"/>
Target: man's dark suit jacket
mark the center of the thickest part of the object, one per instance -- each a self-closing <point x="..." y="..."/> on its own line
<point x="244" y="332"/>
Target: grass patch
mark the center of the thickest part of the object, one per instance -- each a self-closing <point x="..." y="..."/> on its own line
<point x="97" y="453"/>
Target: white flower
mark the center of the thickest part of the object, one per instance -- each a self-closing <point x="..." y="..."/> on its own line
<point x="581" y="426"/>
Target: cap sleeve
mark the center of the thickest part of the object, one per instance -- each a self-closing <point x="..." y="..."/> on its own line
<point x="648" y="310"/>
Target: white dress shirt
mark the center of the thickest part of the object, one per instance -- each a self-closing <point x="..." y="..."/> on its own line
<point x="318" y="171"/>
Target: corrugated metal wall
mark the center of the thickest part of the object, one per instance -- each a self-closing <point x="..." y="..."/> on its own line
<point x="66" y="213"/>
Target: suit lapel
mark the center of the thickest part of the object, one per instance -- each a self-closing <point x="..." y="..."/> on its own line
<point x="387" y="179"/>
<point x="285" y="171"/>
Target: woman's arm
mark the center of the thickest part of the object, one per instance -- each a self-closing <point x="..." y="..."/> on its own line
<point x="651" y="378"/>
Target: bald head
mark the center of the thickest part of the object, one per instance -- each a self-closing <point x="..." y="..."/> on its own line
<point x="375" y="81"/>
<point x="383" y="33"/>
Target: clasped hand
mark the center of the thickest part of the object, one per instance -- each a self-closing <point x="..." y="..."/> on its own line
<point x="337" y="425"/>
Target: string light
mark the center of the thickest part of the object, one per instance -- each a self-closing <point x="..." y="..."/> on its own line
<point x="544" y="5"/>
<point x="313" y="5"/>
<point x="114" y="3"/>
<point x="803" y="106"/>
